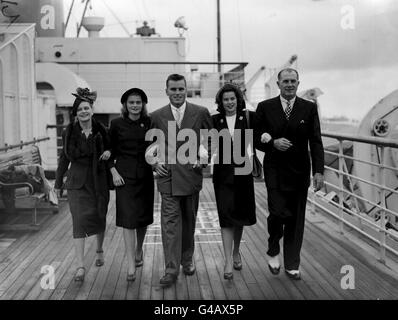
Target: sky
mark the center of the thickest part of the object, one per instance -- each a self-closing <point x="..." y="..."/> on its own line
<point x="347" y="48"/>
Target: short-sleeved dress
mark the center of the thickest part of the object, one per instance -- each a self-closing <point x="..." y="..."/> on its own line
<point x="234" y="193"/>
<point x="134" y="200"/>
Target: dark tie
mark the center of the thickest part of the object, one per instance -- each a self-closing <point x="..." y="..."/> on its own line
<point x="288" y="110"/>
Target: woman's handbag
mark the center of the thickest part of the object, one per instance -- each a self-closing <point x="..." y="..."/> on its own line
<point x="257" y="170"/>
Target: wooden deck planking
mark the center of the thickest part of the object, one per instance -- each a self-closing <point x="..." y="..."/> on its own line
<point x="299" y="290"/>
<point x="308" y="290"/>
<point x="29" y="261"/>
<point x="218" y="256"/>
<point x="305" y="266"/>
<point x="364" y="275"/>
<point x="322" y="257"/>
<point x="206" y="291"/>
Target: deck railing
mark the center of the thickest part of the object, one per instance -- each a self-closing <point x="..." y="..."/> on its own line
<point x="378" y="228"/>
<point x="23" y="144"/>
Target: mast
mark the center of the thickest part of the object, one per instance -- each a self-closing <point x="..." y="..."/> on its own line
<point x="218" y="37"/>
<point x="69" y="13"/>
<point x="81" y="21"/>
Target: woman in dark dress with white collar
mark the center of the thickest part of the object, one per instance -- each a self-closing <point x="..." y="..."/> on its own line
<point x="132" y="176"/>
<point x="234" y="191"/>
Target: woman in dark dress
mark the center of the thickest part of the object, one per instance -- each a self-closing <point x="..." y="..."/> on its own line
<point x="132" y="176"/>
<point x="86" y="147"/>
<point x="234" y="191"/>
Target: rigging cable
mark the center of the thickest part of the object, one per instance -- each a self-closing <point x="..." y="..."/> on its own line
<point x="117" y="18"/>
<point x="240" y="31"/>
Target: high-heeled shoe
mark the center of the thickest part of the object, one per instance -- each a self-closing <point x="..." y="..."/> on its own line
<point x="238" y="264"/>
<point x="139" y="261"/>
<point x="99" y="262"/>
<point x="80" y="277"/>
<point x="131" y="277"/>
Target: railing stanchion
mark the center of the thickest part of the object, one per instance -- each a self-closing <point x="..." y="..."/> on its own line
<point x="313" y="205"/>
<point x="341" y="186"/>
<point x="382" y="176"/>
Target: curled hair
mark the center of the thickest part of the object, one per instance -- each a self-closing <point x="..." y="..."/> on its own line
<point x="76" y="105"/>
<point x="230" y="87"/>
<point x="125" y="112"/>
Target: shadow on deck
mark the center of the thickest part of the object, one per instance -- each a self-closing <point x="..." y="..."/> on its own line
<point x="24" y="253"/>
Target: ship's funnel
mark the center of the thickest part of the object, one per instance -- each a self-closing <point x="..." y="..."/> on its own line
<point x="47" y="14"/>
<point x="93" y="25"/>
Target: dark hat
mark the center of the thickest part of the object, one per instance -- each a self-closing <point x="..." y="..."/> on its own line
<point x="84" y="94"/>
<point x="135" y="91"/>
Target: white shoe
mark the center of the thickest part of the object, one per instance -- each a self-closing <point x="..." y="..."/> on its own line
<point x="274" y="261"/>
<point x="293" y="272"/>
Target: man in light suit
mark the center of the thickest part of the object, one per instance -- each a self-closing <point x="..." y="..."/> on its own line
<point x="286" y="126"/>
<point x="179" y="183"/>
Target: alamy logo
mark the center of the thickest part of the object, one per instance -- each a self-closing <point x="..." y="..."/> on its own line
<point x="348" y="280"/>
<point x="184" y="147"/>
<point x="348" y="17"/>
<point x="48" y="19"/>
<point x="48" y="280"/>
<point x="9" y="9"/>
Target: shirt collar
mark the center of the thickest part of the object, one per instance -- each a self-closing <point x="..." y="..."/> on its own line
<point x="284" y="101"/>
<point x="180" y="109"/>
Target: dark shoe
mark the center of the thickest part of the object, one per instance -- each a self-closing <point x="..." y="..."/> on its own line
<point x="189" y="269"/>
<point x="238" y="264"/>
<point x="293" y="276"/>
<point x="139" y="261"/>
<point x="131" y="277"/>
<point x="168" y="279"/>
<point x="228" y="275"/>
<point x="99" y="262"/>
<point x="274" y="270"/>
<point x="80" y="277"/>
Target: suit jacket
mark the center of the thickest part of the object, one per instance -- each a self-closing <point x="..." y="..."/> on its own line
<point x="182" y="179"/>
<point x="83" y="162"/>
<point x="290" y="170"/>
<point x="224" y="172"/>
<point x="128" y="147"/>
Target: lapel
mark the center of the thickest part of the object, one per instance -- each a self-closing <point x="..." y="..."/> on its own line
<point x="222" y="123"/>
<point x="189" y="119"/>
<point x="167" y="115"/>
<point x="240" y="121"/>
<point x="279" y="116"/>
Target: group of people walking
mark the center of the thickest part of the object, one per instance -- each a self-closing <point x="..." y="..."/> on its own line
<point x="96" y="159"/>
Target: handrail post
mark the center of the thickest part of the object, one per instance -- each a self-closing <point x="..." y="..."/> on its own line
<point x="313" y="205"/>
<point x="382" y="177"/>
<point x="341" y="186"/>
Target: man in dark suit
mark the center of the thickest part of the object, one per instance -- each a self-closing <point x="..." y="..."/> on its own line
<point x="286" y="126"/>
<point x="179" y="183"/>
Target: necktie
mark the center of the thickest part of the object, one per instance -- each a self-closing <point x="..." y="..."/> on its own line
<point x="288" y="110"/>
<point x="178" y="117"/>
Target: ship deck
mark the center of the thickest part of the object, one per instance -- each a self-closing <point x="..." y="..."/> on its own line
<point x="325" y="251"/>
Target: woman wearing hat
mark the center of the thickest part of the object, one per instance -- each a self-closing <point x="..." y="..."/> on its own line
<point x="132" y="176"/>
<point x="86" y="147"/>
